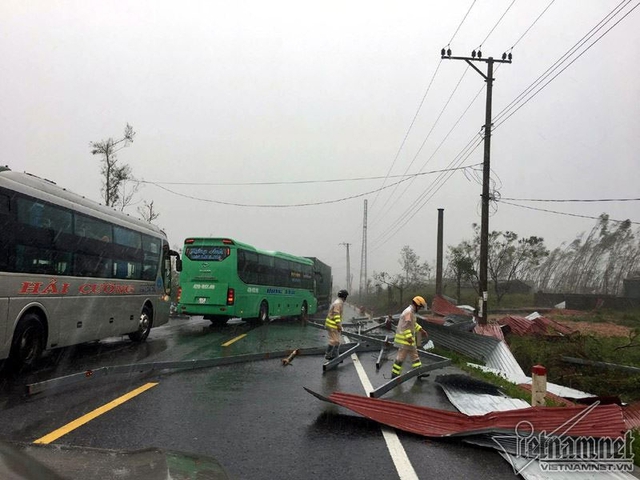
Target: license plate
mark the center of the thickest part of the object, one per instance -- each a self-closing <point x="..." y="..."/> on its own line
<point x="202" y="299"/>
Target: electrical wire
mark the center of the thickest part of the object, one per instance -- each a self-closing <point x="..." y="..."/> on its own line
<point x="573" y="200"/>
<point x="531" y="26"/>
<point x="293" y="182"/>
<point x="434" y="183"/>
<point x="404" y="140"/>
<point x="563" y="213"/>
<point x="564" y="58"/>
<point x="497" y="23"/>
<point x="411" y="211"/>
<point x="308" y="204"/>
<point x="382" y="210"/>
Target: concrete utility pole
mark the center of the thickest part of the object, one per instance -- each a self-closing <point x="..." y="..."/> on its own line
<point x="486" y="169"/>
<point x="363" y="256"/>
<point x="439" y="252"/>
<point x="348" y="267"/>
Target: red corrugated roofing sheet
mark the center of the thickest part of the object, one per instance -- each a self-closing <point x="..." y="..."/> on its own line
<point x="540" y="326"/>
<point x="490" y="330"/>
<point x="519" y="325"/>
<point x="600" y="421"/>
<point x="442" y="306"/>
<point x="551" y="327"/>
<point x="631" y="415"/>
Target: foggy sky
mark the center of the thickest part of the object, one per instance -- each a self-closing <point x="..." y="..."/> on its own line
<point x="252" y="91"/>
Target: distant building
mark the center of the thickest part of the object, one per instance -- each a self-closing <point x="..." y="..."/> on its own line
<point x="632" y="286"/>
<point x="514" y="286"/>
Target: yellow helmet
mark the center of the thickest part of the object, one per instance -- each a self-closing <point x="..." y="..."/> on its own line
<point x="419" y="301"/>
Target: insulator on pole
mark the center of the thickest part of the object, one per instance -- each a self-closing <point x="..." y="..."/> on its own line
<point x="442" y="52"/>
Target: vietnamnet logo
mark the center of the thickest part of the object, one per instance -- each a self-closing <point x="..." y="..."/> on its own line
<point x="558" y="452"/>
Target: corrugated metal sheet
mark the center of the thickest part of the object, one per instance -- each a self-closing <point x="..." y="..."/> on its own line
<point x="469" y="396"/>
<point x="631" y="415"/>
<point x="502" y="359"/>
<point x="602" y="421"/>
<point x="493" y="352"/>
<point x="490" y="330"/>
<point x="442" y="306"/>
<point x="536" y="326"/>
<point x="466" y="397"/>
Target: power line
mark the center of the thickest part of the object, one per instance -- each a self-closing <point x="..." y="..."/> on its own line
<point x="293" y="182"/>
<point x="573" y="200"/>
<point x="326" y="202"/>
<point x="563" y="213"/>
<point x="564" y="58"/>
<point x="463" y="19"/>
<point x="413" y="209"/>
<point x="531" y="26"/>
<point x="404" y="140"/>
<point x="433" y="184"/>
<point x="498" y="22"/>
<point x="382" y="211"/>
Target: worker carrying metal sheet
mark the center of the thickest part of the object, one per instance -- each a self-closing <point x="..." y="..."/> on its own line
<point x="406" y="338"/>
<point x="333" y="324"/>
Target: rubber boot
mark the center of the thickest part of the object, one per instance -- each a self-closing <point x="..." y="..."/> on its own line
<point x="327" y="354"/>
<point x="396" y="369"/>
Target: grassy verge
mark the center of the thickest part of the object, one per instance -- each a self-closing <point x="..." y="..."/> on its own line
<point x="548" y="351"/>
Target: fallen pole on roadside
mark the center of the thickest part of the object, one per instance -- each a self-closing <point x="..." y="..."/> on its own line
<point x="142" y="368"/>
<point x="381" y="390"/>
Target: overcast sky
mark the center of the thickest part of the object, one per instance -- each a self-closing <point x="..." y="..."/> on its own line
<point x="225" y="92"/>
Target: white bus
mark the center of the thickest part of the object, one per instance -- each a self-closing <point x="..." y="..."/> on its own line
<point x="74" y="271"/>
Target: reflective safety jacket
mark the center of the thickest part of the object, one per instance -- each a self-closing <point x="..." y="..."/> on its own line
<point x="407" y="328"/>
<point x="334" y="317"/>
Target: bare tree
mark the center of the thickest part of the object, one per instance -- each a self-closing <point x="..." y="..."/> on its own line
<point x="114" y="175"/>
<point x="147" y="211"/>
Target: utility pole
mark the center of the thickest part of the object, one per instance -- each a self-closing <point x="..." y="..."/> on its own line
<point x="439" y="252"/>
<point x="486" y="169"/>
<point x="363" y="256"/>
<point x="348" y="267"/>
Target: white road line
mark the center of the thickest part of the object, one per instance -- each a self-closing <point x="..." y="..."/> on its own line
<point x="396" y="450"/>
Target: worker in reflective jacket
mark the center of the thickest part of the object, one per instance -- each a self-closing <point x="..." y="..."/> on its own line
<point x="333" y="324"/>
<point x="406" y="338"/>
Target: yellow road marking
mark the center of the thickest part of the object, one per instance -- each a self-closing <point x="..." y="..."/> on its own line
<point x="239" y="337"/>
<point x="69" y="427"/>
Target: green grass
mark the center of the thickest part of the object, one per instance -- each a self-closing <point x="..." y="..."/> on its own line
<point x="508" y="388"/>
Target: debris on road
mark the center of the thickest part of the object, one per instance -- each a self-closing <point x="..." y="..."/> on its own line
<point x="289" y="359"/>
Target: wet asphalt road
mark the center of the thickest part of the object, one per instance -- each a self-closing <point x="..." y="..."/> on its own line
<point x="254" y="418"/>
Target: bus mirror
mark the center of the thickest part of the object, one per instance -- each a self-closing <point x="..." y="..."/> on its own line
<point x="178" y="264"/>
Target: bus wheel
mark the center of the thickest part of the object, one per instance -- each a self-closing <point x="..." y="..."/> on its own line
<point x="263" y="314"/>
<point x="304" y="310"/>
<point x="144" y="326"/>
<point x="28" y="342"/>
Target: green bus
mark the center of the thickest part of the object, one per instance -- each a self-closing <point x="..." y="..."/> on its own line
<point x="222" y="278"/>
